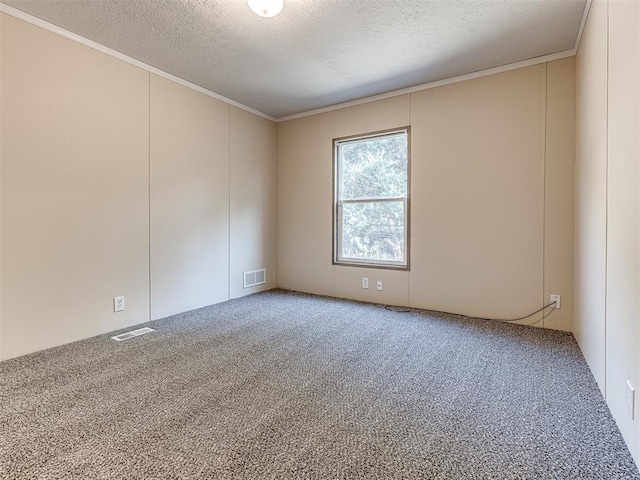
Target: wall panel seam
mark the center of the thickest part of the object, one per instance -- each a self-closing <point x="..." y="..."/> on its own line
<point x="149" y="186"/>
<point x="229" y="204"/>
<point x="544" y="190"/>
<point x="606" y="214"/>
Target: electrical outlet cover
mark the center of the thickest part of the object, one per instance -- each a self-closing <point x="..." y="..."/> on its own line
<point x="118" y="304"/>
<point x="631" y="400"/>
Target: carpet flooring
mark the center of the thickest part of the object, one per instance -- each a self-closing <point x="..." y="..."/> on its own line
<point x="281" y="385"/>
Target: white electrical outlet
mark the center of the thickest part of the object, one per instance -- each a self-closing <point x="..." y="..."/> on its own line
<point x="365" y="282"/>
<point x="555" y="299"/>
<point x="379" y="285"/>
<point x="118" y="304"/>
<point x="631" y="400"/>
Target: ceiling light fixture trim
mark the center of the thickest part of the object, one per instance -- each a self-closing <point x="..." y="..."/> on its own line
<point x="266" y="8"/>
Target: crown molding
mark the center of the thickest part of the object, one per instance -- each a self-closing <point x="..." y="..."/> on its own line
<point x="587" y="8"/>
<point x="14" y="12"/>
<point x="426" y="86"/>
<point x="440" y="83"/>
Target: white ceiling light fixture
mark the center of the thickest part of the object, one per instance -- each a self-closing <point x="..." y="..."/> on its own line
<point x="266" y="8"/>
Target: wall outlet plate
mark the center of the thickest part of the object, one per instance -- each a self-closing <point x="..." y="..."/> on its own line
<point x="118" y="304"/>
<point x="631" y="400"/>
<point x="365" y="282"/>
<point x="379" y="285"/>
<point x="556" y="299"/>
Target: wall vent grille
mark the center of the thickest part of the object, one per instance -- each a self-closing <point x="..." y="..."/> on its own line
<point x="133" y="333"/>
<point x="255" y="277"/>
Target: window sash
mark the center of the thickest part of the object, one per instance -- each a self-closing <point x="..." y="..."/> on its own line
<point x="371" y="261"/>
<point x="341" y="143"/>
<point x="339" y="202"/>
<point x="371" y="200"/>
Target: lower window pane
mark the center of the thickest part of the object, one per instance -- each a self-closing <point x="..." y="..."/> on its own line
<point x="373" y="231"/>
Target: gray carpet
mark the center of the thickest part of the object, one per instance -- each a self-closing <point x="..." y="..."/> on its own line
<point x="281" y="385"/>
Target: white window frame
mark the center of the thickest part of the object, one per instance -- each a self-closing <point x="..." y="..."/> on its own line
<point x="338" y="203"/>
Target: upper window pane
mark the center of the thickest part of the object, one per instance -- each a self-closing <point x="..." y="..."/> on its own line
<point x="374" y="167"/>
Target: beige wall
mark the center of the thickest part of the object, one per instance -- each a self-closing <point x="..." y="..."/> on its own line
<point x="304" y="204"/>
<point x="75" y="208"/>
<point x="623" y="238"/>
<point x="1" y="63"/>
<point x="607" y="246"/>
<point x="558" y="191"/>
<point x="87" y="190"/>
<point x="189" y="199"/>
<point x="590" y="190"/>
<point x="252" y="201"/>
<point x="483" y="212"/>
<point x="478" y="197"/>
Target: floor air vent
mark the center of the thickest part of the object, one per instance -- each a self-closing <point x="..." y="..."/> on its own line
<point x="133" y="333"/>
<point x="256" y="277"/>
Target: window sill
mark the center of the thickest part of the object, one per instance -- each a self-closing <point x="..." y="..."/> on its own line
<point x="379" y="266"/>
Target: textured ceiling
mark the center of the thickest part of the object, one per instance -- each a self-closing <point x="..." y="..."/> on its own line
<point x="318" y="53"/>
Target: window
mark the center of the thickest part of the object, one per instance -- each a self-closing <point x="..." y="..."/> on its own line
<point x="371" y="200"/>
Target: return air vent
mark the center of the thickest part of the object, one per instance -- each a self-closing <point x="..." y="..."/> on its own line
<point x="133" y="333"/>
<point x="256" y="277"/>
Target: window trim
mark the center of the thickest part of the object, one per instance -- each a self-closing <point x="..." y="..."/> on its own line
<point x="336" y="228"/>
